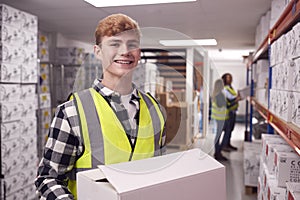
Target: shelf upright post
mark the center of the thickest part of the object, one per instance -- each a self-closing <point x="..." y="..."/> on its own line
<point x="251" y="106"/>
<point x="247" y="107"/>
<point x="270" y="129"/>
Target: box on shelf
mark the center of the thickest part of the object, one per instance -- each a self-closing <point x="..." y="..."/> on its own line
<point x="28" y="126"/>
<point x="10" y="148"/>
<point x="295" y="51"/>
<point x="287" y="168"/>
<point x="28" y="93"/>
<point x="288" y="71"/>
<point x="182" y="175"/>
<point x="296" y="77"/>
<point x="287" y="105"/>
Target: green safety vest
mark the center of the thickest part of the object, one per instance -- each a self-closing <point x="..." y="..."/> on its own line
<point x="234" y="106"/>
<point x="218" y="113"/>
<point x="105" y="140"/>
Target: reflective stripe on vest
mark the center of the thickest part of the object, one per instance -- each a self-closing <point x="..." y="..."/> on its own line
<point x="219" y="113"/>
<point x="105" y="140"/>
<point x="233" y="92"/>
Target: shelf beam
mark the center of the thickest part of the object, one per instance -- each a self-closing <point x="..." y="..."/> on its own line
<point x="289" y="132"/>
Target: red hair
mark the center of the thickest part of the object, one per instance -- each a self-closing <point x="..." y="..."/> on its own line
<point x="115" y="24"/>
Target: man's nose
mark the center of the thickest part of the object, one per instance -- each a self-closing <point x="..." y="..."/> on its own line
<point x="123" y="50"/>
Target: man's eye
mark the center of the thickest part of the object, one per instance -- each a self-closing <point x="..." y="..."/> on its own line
<point x="133" y="46"/>
<point x="114" y="44"/>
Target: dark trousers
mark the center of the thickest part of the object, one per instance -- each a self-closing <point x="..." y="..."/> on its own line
<point x="228" y="128"/>
<point x="220" y="127"/>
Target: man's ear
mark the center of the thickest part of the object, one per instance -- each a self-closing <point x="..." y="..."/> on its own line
<point x="97" y="51"/>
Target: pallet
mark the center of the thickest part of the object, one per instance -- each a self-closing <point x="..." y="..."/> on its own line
<point x="250" y="190"/>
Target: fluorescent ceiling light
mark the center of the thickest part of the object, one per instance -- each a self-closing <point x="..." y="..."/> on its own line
<point x="198" y="42"/>
<point x="111" y="3"/>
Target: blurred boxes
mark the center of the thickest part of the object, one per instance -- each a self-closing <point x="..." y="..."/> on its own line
<point x="251" y="165"/>
<point x="10" y="73"/>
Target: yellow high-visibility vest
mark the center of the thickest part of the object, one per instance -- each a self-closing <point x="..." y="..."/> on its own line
<point x="233" y="92"/>
<point x="105" y="140"/>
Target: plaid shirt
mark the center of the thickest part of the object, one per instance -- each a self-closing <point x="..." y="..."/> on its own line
<point x="65" y="145"/>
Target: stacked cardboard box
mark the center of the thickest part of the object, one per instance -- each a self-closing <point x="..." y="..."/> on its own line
<point x="278" y="167"/>
<point x="285" y="63"/>
<point x="18" y="101"/>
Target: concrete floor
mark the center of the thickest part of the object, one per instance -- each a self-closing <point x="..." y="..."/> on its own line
<point x="234" y="166"/>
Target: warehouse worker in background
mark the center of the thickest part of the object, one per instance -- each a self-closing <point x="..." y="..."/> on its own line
<point x="111" y="122"/>
<point x="232" y="104"/>
<point x="219" y="113"/>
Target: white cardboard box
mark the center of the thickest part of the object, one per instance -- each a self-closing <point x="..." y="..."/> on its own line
<point x="274" y="192"/>
<point x="185" y="175"/>
<point x="252" y="152"/>
<point x="10" y="73"/>
<point x="271" y="154"/>
<point x="287" y="168"/>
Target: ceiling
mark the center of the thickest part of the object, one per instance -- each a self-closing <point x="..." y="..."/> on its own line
<point x="231" y="22"/>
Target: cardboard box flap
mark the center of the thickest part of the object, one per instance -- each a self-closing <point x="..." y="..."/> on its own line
<point x="134" y="175"/>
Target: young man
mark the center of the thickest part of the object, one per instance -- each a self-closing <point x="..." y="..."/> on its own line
<point x="109" y="123"/>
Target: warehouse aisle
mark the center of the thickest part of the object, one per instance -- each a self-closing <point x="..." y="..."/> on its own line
<point x="234" y="165"/>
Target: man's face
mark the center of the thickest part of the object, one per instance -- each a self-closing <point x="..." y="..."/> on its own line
<point x="120" y="53"/>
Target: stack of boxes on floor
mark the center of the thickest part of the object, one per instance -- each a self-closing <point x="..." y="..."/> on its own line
<point x="279" y="174"/>
<point x="252" y="152"/>
<point x="285" y="63"/>
<point x="67" y="75"/>
<point x="45" y="114"/>
<point x="18" y="102"/>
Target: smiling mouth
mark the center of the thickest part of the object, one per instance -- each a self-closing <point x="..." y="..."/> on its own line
<point x="123" y="62"/>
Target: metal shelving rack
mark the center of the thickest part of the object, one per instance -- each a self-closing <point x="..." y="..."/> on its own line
<point x="288" y="131"/>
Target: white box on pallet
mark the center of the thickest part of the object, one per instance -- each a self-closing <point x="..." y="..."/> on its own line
<point x="182" y="175"/>
<point x="10" y="35"/>
<point x="10" y="92"/>
<point x="10" y="130"/>
<point x="10" y="148"/>
<point x="10" y="16"/>
<point x="11" y="111"/>
<point x="251" y="165"/>
<point x="14" y="183"/>
<point x="271" y="154"/>
<point x="10" y="73"/>
<point x="29" y="22"/>
<point x="11" y="54"/>
<point x="29" y="109"/>
<point x="287" y="168"/>
<point x="259" y="192"/>
<point x="29" y="74"/>
<point x="30" y="40"/>
<point x="270" y="139"/>
<point x="275" y="192"/>
<point x="28" y="126"/>
<point x="28" y="92"/>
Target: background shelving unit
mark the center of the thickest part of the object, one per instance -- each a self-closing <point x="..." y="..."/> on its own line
<point x="289" y="131"/>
